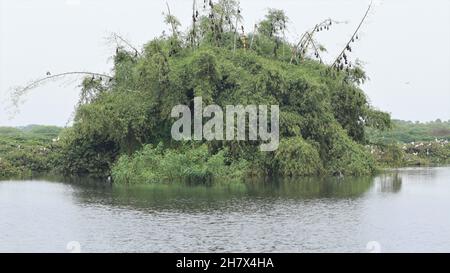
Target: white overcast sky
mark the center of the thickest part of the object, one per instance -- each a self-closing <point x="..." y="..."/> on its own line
<point x="405" y="45"/>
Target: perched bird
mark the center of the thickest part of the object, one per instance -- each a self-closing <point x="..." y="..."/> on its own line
<point x="48" y="73"/>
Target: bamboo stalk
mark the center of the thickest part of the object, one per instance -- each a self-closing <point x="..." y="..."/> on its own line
<point x="174" y="31"/>
<point x="353" y="36"/>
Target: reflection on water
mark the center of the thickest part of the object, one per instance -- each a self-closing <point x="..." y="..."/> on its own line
<point x="403" y="210"/>
<point x="183" y="197"/>
<point x="390" y="182"/>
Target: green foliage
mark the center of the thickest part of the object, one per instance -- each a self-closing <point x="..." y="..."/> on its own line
<point x="347" y="157"/>
<point x="310" y="105"/>
<point x="295" y="157"/>
<point x="411" y="143"/>
<point x="408" y="131"/>
<point x="389" y="155"/>
<point x="82" y="155"/>
<point x="118" y="123"/>
<point x="328" y="110"/>
<point x="435" y="152"/>
<point x="31" y="133"/>
<point x="27" y="150"/>
<point x="188" y="163"/>
<point x="7" y="170"/>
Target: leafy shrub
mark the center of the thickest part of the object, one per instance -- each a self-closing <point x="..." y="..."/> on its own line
<point x="347" y="157"/>
<point x="159" y="165"/>
<point x="296" y="157"/>
<point x="7" y="170"/>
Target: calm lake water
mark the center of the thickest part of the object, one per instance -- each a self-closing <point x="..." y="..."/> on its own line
<point x="403" y="210"/>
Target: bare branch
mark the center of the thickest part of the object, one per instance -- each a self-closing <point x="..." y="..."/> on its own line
<point x="36" y="83"/>
<point x="307" y="38"/>
<point x="18" y="92"/>
<point x="353" y="36"/>
<point x="119" y="39"/>
<point x="315" y="47"/>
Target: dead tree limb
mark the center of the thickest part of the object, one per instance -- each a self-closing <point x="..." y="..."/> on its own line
<point x="352" y="38"/>
<point x="307" y="38"/>
<point x="19" y="91"/>
<point x="119" y="39"/>
<point x="42" y="80"/>
<point x="315" y="48"/>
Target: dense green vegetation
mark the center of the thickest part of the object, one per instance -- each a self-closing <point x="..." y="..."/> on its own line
<point x="411" y="143"/>
<point x="27" y="150"/>
<point x="190" y="163"/>
<point x="122" y="125"/>
<point x="408" y="131"/>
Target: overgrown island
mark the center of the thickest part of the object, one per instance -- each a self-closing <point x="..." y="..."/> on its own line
<point x="122" y="125"/>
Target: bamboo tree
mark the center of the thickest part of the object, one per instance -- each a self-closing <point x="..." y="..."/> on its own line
<point x="170" y="19"/>
<point x="236" y="26"/>
<point x="253" y="35"/>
